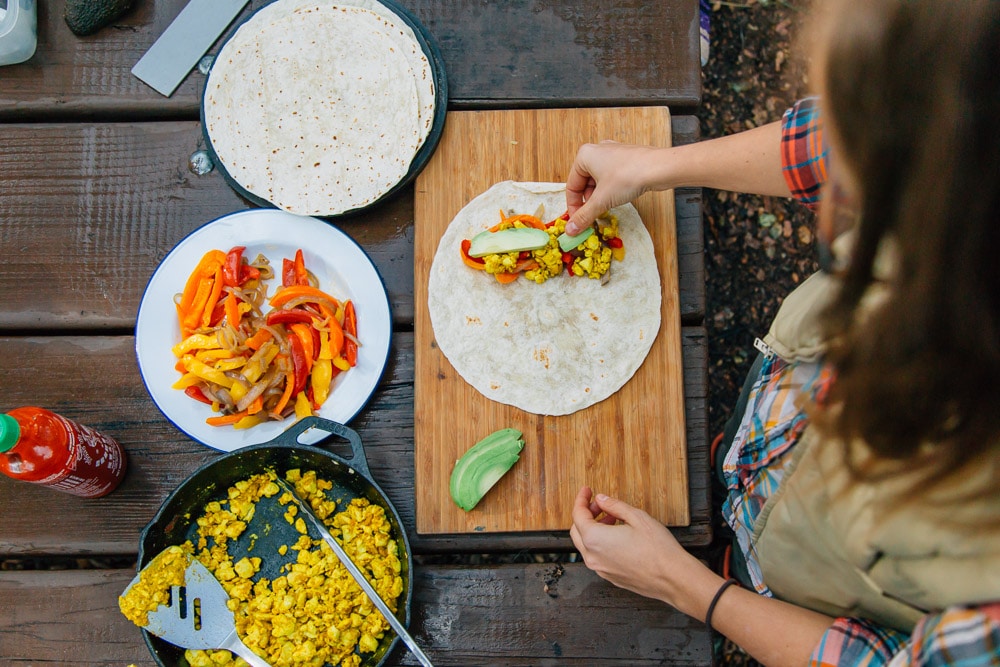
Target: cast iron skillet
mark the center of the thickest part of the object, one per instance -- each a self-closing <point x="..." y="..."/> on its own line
<point x="175" y="521"/>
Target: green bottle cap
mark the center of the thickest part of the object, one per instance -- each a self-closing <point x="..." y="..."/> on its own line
<point x="10" y="432"/>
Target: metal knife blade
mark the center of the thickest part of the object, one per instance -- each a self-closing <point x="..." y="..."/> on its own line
<point x="357" y="574"/>
<point x="175" y="53"/>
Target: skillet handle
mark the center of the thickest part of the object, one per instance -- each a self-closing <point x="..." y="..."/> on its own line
<point x="358" y="460"/>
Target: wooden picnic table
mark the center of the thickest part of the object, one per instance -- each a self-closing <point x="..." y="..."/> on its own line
<point x="97" y="190"/>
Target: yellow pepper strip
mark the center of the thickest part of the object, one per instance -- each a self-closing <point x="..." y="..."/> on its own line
<point x="259" y="362"/>
<point x="324" y="346"/>
<point x="230" y="364"/>
<point x="213" y="298"/>
<point x="205" y="372"/>
<point x="249" y="421"/>
<point x="303" y="408"/>
<point x="341" y="363"/>
<point x="195" y="342"/>
<point x="187" y="380"/>
<point x="322" y="374"/>
<point x="213" y="355"/>
<point x="285" y="396"/>
<point x="238" y="391"/>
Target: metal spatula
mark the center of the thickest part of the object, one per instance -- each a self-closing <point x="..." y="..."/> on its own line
<point x="197" y="616"/>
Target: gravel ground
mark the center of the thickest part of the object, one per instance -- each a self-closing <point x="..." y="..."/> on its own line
<point x="757" y="249"/>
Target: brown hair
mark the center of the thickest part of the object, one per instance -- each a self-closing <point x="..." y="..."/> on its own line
<point x="912" y="91"/>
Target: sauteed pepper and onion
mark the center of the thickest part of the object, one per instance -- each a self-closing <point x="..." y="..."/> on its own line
<point x="588" y="254"/>
<point x="254" y="358"/>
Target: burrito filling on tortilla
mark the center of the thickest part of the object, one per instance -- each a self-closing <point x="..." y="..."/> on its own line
<point x="550" y="346"/>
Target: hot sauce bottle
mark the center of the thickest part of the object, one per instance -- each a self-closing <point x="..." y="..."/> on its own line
<point x="41" y="447"/>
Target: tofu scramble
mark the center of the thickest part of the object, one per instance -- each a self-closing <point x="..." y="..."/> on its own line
<point x="314" y="613"/>
<point x="591" y="259"/>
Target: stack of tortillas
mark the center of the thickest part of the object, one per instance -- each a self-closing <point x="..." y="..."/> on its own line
<point x="320" y="106"/>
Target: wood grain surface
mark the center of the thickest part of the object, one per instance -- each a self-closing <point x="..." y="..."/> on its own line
<point x="630" y="445"/>
<point x="496" y="54"/>
<point x="537" y="614"/>
<point x="88" y="210"/>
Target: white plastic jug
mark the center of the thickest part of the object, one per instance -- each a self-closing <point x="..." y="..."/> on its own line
<point x="18" y="30"/>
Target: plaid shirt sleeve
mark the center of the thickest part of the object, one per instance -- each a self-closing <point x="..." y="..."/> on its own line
<point x="967" y="636"/>
<point x="804" y="154"/>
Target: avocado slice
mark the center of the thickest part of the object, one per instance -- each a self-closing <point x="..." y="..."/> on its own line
<point x="514" y="239"/>
<point x="85" y="17"/>
<point x="483" y="465"/>
<point x="567" y="242"/>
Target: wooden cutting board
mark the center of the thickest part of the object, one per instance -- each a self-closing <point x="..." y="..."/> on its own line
<point x="631" y="445"/>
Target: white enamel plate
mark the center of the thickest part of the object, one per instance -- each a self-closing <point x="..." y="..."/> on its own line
<point x="343" y="270"/>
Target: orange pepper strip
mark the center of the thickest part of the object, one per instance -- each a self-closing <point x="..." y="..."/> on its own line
<point x="213" y="298"/>
<point x="473" y="262"/>
<point x="192" y="316"/>
<point x="222" y="420"/>
<point x="296" y="291"/>
<point x="287" y="394"/>
<point x="255" y="341"/>
<point x="303" y="331"/>
<point x="205" y="269"/>
<point x="301" y="275"/>
<point x="505" y="278"/>
<point x="529" y="220"/>
<point x="233" y="310"/>
<point x="256" y="406"/>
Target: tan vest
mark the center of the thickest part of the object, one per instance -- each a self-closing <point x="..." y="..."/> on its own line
<point x="845" y="548"/>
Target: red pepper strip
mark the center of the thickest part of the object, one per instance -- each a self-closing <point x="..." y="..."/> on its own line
<point x="564" y="216"/>
<point x="218" y="313"/>
<point x="248" y="272"/>
<point x="616" y="242"/>
<point x="231" y="267"/>
<point x="351" y="327"/>
<point x="287" y="272"/>
<point x="301" y="275"/>
<point x="195" y="392"/>
<point x="304" y="333"/>
<point x="289" y="317"/>
<point x="298" y="364"/>
<point x="474" y="262"/>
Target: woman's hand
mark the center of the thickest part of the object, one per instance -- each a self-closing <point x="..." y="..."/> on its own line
<point x="632" y="550"/>
<point x="603" y="176"/>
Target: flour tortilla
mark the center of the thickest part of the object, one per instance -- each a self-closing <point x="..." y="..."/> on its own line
<point x="316" y="107"/>
<point x="553" y="348"/>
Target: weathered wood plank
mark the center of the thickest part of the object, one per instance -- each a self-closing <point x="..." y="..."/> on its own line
<point x="89" y="210"/>
<point x="521" y="52"/>
<point x="94" y="379"/>
<point x="512" y="614"/>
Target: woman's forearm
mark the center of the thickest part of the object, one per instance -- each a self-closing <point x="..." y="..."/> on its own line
<point x="748" y="161"/>
<point x="775" y="633"/>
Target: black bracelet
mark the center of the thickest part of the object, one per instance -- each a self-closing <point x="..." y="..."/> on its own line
<point x="718" y="594"/>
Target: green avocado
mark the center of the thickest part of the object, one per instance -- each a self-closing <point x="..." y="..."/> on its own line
<point x="483" y="465"/>
<point x="85" y="17"/>
<point x="567" y="242"/>
<point x="514" y="239"/>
